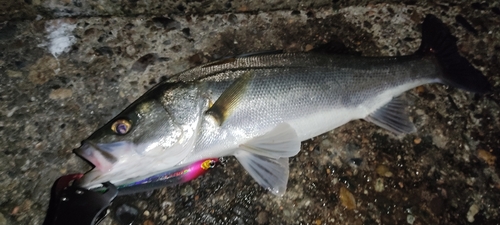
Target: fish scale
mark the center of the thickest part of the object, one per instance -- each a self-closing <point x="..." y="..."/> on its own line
<point x="296" y="94"/>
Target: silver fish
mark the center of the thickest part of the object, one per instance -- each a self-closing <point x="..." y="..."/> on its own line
<point x="259" y="108"/>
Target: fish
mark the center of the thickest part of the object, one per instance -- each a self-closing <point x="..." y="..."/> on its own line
<point x="260" y="107"/>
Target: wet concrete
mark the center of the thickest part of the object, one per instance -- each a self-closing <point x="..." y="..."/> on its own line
<point x="63" y="78"/>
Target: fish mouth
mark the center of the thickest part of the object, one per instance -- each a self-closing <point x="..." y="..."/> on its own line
<point x="101" y="159"/>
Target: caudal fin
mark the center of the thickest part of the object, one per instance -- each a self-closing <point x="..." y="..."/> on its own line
<point x="457" y="71"/>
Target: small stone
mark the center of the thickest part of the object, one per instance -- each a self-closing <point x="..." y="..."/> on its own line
<point x="148" y="222"/>
<point x="318" y="222"/>
<point x="439" y="139"/>
<point x="146" y="213"/>
<point x="12" y="111"/>
<point x="470" y="181"/>
<point x="410" y="219"/>
<point x="15" y="211"/>
<point x="163" y="218"/>
<point x="242" y="8"/>
<point x="130" y="50"/>
<point x="383" y="170"/>
<point x="347" y="198"/>
<point x="39" y="146"/>
<point x="420" y="90"/>
<point x="417" y="140"/>
<point x="60" y="93"/>
<point x="379" y="185"/>
<point x="26" y="205"/>
<point x="187" y="190"/>
<point x="43" y="70"/>
<point x="166" y="204"/>
<point x="487" y="157"/>
<point x="90" y="32"/>
<point x="126" y="214"/>
<point x="14" y="73"/>
<point x="3" y="221"/>
<point x="473" y="210"/>
<point x="309" y="47"/>
<point x="262" y="218"/>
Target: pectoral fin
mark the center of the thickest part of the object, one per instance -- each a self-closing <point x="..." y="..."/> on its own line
<point x="280" y="142"/>
<point x="229" y="99"/>
<point x="272" y="174"/>
<point x="266" y="157"/>
<point x="393" y="117"/>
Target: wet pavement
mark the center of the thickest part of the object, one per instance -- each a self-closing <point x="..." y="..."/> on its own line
<point x="61" y="78"/>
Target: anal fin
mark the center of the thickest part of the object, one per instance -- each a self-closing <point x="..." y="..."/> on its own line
<point x="272" y="174"/>
<point x="393" y="117"/>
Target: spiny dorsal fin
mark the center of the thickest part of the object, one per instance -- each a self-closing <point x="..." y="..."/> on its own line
<point x="393" y="117"/>
<point x="232" y="59"/>
<point x="230" y="98"/>
<point x="268" y="52"/>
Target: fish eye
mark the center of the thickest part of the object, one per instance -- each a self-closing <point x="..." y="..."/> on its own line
<point x="212" y="163"/>
<point x="121" y="126"/>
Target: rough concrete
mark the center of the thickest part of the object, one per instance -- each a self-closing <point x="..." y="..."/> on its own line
<point x="50" y="9"/>
<point x="31" y="9"/>
<point x="63" y="78"/>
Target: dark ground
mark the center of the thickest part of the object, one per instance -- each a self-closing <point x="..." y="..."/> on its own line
<point x="52" y="98"/>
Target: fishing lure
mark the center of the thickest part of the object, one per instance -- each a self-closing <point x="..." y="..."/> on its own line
<point x="176" y="176"/>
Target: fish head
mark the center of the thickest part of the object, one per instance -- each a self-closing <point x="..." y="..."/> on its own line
<point x="141" y="140"/>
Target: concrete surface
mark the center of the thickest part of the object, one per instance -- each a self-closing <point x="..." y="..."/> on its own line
<point x="62" y="77"/>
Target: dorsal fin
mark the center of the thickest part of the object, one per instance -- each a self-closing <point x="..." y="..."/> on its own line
<point x="268" y="52"/>
<point x="231" y="59"/>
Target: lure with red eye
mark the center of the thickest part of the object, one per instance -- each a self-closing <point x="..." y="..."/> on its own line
<point x="176" y="176"/>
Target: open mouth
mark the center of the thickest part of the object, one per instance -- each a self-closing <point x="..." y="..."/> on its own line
<point x="96" y="156"/>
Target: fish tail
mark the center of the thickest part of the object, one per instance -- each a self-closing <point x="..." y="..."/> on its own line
<point x="457" y="71"/>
